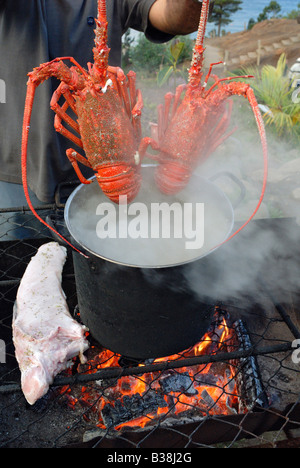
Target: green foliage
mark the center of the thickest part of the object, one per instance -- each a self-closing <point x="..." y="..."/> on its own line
<point x="179" y="50"/>
<point x="175" y="51"/>
<point x="270" y="11"/>
<point x="294" y="13"/>
<point x="151" y="57"/>
<point x="251" y="23"/>
<point x="222" y="11"/>
<point x="126" y="49"/>
<point x="272" y="88"/>
<point x="147" y="56"/>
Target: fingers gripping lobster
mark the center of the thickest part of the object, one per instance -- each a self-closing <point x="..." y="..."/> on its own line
<point x="108" y="110"/>
<point x="193" y="122"/>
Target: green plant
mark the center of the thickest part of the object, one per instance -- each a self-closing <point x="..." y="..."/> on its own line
<point x="270" y="11"/>
<point x="294" y="14"/>
<point x="175" y="51"/>
<point x="147" y="56"/>
<point x="272" y="88"/>
<point x="251" y="23"/>
<point x="127" y="44"/>
<point x="222" y="12"/>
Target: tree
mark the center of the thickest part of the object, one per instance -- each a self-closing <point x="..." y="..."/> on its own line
<point x="147" y="56"/>
<point x="251" y="23"/>
<point x="150" y="57"/>
<point x="270" y="11"/>
<point x="294" y="14"/>
<point x="222" y="11"/>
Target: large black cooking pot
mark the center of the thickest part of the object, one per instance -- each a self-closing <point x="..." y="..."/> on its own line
<point x="137" y="296"/>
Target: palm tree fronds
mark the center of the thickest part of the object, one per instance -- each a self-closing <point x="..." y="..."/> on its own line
<point x="273" y="89"/>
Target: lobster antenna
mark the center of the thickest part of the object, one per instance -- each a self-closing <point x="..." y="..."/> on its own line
<point x="101" y="51"/>
<point x="195" y="73"/>
<point x="25" y="132"/>
<point x="102" y="10"/>
<point x="202" y="23"/>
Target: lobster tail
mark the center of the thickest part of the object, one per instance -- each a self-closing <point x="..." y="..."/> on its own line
<point x="172" y="176"/>
<point x="107" y="126"/>
<point x="118" y="180"/>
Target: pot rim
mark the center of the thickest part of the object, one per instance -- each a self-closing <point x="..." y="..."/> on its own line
<point x="90" y="252"/>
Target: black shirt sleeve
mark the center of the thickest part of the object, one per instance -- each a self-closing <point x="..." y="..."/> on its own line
<point x="135" y="15"/>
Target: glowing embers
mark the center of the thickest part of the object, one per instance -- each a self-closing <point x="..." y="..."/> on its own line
<point x="173" y="394"/>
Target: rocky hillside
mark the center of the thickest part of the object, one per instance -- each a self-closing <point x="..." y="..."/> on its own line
<point x="276" y="36"/>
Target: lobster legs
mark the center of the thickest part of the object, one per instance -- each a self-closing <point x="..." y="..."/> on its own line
<point x="125" y="102"/>
<point x="132" y="102"/>
<point x="61" y="115"/>
<point x="54" y="68"/>
<point x="106" y="117"/>
<point x="211" y="118"/>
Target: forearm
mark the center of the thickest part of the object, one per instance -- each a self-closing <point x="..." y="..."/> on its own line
<point x="175" y="16"/>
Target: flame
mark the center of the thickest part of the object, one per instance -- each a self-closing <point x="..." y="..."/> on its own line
<point x="209" y="392"/>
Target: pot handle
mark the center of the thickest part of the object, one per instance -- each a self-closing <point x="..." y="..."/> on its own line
<point x="237" y="182"/>
<point x="63" y="191"/>
<point x="57" y="223"/>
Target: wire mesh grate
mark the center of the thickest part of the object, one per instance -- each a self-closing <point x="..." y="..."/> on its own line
<point x="102" y="407"/>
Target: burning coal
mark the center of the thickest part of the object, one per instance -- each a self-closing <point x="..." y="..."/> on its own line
<point x="142" y="400"/>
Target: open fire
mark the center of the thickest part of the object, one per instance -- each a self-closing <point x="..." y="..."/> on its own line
<point x="104" y="393"/>
<point x="169" y="395"/>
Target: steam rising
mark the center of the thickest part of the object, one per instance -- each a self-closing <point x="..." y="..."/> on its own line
<point x="264" y="252"/>
<point x="261" y="256"/>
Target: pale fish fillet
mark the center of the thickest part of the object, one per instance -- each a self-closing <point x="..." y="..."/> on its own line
<point x="45" y="335"/>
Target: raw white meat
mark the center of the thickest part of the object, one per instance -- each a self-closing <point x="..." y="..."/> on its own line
<point x="45" y="335"/>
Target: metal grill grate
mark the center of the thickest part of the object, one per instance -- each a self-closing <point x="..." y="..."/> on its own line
<point x="270" y="418"/>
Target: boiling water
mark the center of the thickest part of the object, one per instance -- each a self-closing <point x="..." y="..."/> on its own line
<point x="189" y="225"/>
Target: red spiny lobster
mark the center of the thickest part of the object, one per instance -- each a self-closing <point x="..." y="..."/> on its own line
<point x="191" y="127"/>
<point x="108" y="109"/>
